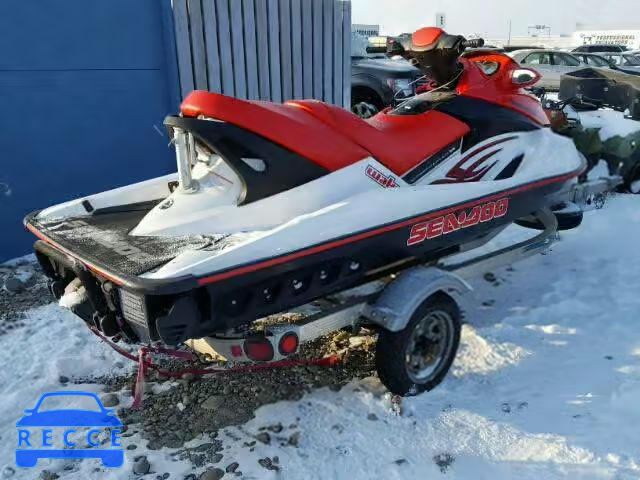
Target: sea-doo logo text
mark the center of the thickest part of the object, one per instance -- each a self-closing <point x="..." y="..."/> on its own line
<point x="380" y="178"/>
<point x="456" y="221"/>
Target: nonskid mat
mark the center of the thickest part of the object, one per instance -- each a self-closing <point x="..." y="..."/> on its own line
<point x="102" y="238"/>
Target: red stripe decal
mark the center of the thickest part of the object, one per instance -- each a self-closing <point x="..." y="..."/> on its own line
<point x="484" y="147"/>
<point x="371" y="233"/>
<point x="319" y="248"/>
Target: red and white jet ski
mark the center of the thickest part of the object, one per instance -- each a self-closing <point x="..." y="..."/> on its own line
<point x="275" y="205"/>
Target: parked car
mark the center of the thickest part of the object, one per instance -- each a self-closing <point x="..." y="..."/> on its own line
<point x="624" y="61"/>
<point x="378" y="81"/>
<point x="551" y="64"/>
<point x="595" y="48"/>
<point x="600" y="61"/>
<point x="593" y="60"/>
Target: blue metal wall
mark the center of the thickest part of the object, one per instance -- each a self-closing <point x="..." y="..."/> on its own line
<point x="84" y="87"/>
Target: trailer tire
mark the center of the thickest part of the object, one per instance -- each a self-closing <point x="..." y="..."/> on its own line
<point x="392" y="357"/>
<point x="567" y="218"/>
<point x="632" y="182"/>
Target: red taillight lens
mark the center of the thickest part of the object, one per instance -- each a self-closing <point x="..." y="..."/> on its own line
<point x="236" y="351"/>
<point x="288" y="344"/>
<point x="258" y="349"/>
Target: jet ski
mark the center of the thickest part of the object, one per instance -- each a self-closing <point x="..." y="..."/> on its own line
<point x="276" y="205"/>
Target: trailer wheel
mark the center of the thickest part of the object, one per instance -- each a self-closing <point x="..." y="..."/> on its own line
<point x="417" y="358"/>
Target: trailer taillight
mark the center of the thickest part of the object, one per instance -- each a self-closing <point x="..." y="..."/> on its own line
<point x="259" y="349"/>
<point x="288" y="344"/>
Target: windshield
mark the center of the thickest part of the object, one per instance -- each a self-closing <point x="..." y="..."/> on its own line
<point x="566" y="60"/>
<point x="423" y="103"/>
<point x="631" y="61"/>
<point x="598" y="61"/>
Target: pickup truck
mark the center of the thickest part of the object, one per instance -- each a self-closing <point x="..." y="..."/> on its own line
<point x="378" y="81"/>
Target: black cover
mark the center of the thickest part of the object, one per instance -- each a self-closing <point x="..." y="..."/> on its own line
<point x="620" y="91"/>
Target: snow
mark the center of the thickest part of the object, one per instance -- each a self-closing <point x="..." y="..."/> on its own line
<point x="546" y="384"/>
<point x="610" y="122"/>
<point x="19" y="260"/>
<point x="74" y="294"/>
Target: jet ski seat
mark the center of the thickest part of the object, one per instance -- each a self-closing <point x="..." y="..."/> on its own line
<point x="285" y="125"/>
<point x="399" y="142"/>
<point x="331" y="136"/>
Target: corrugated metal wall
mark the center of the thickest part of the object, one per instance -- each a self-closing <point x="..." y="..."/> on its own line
<point x="265" y="49"/>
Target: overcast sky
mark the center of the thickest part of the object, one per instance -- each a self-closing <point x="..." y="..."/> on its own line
<point x="490" y="18"/>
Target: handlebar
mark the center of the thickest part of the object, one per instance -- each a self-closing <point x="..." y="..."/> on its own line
<point x="434" y="52"/>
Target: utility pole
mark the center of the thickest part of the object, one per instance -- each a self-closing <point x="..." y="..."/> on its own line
<point x="509" y="41"/>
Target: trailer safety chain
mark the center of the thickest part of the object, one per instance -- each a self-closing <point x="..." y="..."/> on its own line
<point x="145" y="363"/>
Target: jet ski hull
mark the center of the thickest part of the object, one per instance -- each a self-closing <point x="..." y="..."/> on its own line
<point x="178" y="308"/>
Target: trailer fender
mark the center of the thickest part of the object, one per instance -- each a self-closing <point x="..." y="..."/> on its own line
<point x="396" y="304"/>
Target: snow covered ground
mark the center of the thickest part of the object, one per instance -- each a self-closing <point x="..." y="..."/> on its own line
<point x="546" y="385"/>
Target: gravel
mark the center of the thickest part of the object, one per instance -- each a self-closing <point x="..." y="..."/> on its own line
<point x="264" y="437"/>
<point x="211" y="403"/>
<point x="23" y="287"/>
<point x="8" y="472"/>
<point x="268" y="464"/>
<point x="294" y="439"/>
<point x="110" y="400"/>
<point x="47" y="475"/>
<point x="195" y="406"/>
<point x="211" y="474"/>
<point x="141" y="465"/>
<point x="13" y="284"/>
<point x="444" y="461"/>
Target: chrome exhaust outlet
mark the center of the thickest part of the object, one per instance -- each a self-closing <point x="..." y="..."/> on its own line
<point x="186" y="156"/>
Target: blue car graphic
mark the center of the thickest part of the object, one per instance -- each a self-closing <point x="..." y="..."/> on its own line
<point x="104" y="418"/>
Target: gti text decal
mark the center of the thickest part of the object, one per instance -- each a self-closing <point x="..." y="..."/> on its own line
<point x="387" y="181"/>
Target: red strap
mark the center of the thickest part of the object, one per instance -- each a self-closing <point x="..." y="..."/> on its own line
<point x="145" y="364"/>
<point x="138" y="386"/>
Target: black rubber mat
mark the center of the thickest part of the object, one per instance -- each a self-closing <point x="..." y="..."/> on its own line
<point x="102" y="238"/>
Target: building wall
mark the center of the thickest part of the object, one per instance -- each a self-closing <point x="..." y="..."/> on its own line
<point x="628" y="38"/>
<point x="84" y="88"/>
<point x="266" y="49"/>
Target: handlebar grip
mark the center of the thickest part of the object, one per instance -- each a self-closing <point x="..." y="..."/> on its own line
<point x="474" y="43"/>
